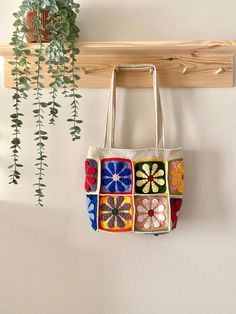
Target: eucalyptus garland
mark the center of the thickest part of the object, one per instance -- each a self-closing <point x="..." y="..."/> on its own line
<point x="60" y="56"/>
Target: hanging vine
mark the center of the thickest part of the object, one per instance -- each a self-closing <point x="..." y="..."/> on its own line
<point x="60" y="56"/>
<point x="20" y="73"/>
<point x="39" y="105"/>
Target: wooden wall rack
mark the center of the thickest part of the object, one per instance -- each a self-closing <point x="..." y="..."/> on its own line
<point x="198" y="63"/>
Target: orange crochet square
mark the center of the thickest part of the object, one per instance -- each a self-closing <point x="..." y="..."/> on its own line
<point x="176" y="177"/>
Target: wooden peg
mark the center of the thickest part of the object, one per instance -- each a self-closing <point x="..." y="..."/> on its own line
<point x="84" y="70"/>
<point x="220" y="70"/>
<point x="186" y="69"/>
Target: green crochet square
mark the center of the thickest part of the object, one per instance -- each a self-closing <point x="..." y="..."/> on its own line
<point x="150" y="177"/>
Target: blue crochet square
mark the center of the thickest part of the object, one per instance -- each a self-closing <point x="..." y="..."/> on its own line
<point x="92" y="203"/>
<point x="116" y="176"/>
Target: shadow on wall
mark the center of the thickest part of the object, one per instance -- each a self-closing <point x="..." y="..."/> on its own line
<point x="203" y="203"/>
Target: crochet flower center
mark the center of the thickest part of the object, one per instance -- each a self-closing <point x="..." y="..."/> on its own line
<point x="116" y="177"/>
<point x="151" y="212"/>
<point x="115" y="211"/>
<point x="150" y="178"/>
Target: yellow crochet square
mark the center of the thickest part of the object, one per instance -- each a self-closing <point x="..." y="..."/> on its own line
<point x="116" y="213"/>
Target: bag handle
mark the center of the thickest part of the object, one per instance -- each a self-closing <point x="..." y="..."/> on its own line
<point x="111" y="111"/>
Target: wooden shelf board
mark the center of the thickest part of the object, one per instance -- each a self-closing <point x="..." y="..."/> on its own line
<point x="97" y="59"/>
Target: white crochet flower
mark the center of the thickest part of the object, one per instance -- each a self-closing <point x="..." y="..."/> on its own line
<point x="150" y="213"/>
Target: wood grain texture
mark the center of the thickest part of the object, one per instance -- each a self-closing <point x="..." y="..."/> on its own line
<point x="96" y="61"/>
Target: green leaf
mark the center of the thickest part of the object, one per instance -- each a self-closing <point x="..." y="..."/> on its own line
<point x="53" y="111"/>
<point x="16" y="141"/>
<point x="40" y="132"/>
<point x="42" y="58"/>
<point x="16" y="96"/>
<point x="17" y="52"/>
<point x="23" y="80"/>
<point x="40" y="85"/>
<point x="14" y="115"/>
<point x="40" y="144"/>
<point x="75" y="138"/>
<point x="67" y="80"/>
<point x="76" y="50"/>
<point x="27" y="51"/>
<point x="44" y="104"/>
<point x="75" y="129"/>
<point x="18" y="123"/>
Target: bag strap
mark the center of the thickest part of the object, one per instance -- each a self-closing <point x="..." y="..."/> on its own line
<point x="111" y="111"/>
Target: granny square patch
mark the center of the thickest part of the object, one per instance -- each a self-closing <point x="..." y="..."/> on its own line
<point x="151" y="214"/>
<point x="150" y="177"/>
<point x="92" y="210"/>
<point x="176" y="177"/>
<point x="116" y="176"/>
<point x="91" y="175"/>
<point x="175" y="205"/>
<point x="115" y="213"/>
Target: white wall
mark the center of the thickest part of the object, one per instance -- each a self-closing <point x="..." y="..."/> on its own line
<point x="50" y="260"/>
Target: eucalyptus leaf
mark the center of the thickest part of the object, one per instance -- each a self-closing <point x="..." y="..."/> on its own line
<point x="60" y="58"/>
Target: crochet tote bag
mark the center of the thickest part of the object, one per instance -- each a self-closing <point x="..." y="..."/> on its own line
<point x="134" y="190"/>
